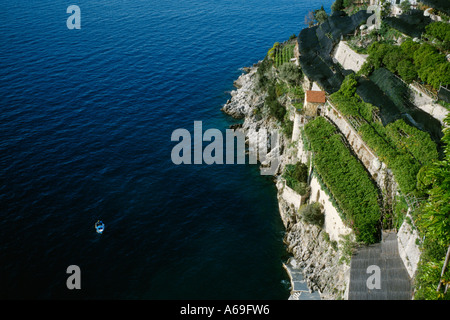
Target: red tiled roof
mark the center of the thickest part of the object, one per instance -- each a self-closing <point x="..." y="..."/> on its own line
<point x="315" y="96"/>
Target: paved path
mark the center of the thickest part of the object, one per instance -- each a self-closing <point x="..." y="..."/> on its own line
<point x="299" y="288"/>
<point x="394" y="279"/>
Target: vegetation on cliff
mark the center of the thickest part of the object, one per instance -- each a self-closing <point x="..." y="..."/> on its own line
<point x="312" y="213"/>
<point x="296" y="176"/>
<point x="410" y="153"/>
<point x="279" y="79"/>
<point x="411" y="61"/>
<point x="438" y="33"/>
<point x="404" y="148"/>
<point x="433" y="221"/>
<point x="346" y="178"/>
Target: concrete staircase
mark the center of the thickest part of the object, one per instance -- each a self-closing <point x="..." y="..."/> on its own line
<point x="394" y="279"/>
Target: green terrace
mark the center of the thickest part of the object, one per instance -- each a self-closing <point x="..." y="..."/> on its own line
<point x="348" y="181"/>
<point x="404" y="148"/>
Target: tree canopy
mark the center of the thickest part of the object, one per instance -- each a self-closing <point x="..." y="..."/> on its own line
<point x="411" y="61"/>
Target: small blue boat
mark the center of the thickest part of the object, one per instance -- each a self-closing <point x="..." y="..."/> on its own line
<point x="99" y="226"/>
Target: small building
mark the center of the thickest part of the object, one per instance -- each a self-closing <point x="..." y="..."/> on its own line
<point x="314" y="100"/>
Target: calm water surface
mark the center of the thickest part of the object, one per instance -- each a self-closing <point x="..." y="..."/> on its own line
<point x="85" y="125"/>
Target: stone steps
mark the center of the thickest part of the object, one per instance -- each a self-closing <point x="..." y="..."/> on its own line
<point x="393" y="278"/>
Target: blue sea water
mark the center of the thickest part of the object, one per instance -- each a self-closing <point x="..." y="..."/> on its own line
<point x="85" y="126"/>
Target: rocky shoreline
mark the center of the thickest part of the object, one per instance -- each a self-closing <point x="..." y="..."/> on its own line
<point x="314" y="254"/>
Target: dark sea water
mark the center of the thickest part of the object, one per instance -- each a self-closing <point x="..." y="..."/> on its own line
<point x="85" y="134"/>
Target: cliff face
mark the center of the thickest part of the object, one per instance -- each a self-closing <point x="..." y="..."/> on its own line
<point x="313" y="253"/>
<point x="317" y="252"/>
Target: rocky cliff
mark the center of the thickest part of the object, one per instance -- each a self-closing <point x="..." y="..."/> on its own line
<point x="319" y="252"/>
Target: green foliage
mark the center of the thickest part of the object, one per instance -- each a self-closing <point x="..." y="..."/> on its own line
<point x="282" y="54"/>
<point x="412" y="140"/>
<point x="287" y="127"/>
<point x="350" y="104"/>
<point x="320" y="15"/>
<point x="299" y="171"/>
<point x="312" y="214"/>
<point x="406" y="70"/>
<point x="385" y="8"/>
<point x="347" y="3"/>
<point x="276" y="85"/>
<point x="387" y="33"/>
<point x="427" y="280"/>
<point x="346" y="178"/>
<point x="366" y="68"/>
<point x="432" y="67"/>
<point x="433" y="221"/>
<point x="348" y="87"/>
<point x="378" y="51"/>
<point x="402" y="147"/>
<point x="264" y="75"/>
<point x="392" y="57"/>
<point x="290" y="73"/>
<point x="296" y="176"/>
<point x="348" y="247"/>
<point x="400" y="210"/>
<point x="439" y="32"/>
<point x="409" y="47"/>
<point x="272" y="51"/>
<point x="411" y="61"/>
<point x="337" y="5"/>
<point x="405" y="6"/>
<point x="276" y="109"/>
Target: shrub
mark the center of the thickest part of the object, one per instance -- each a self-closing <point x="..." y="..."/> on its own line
<point x="337" y="5"/>
<point x="348" y="247"/>
<point x="432" y="67"/>
<point x="290" y="73"/>
<point x="366" y="68"/>
<point x="348" y="86"/>
<point x="377" y="51"/>
<point x="392" y="57"/>
<point x="320" y="15"/>
<point x="405" y="6"/>
<point x="272" y="51"/>
<point x="409" y="47"/>
<point x="287" y="127"/>
<point x="406" y="70"/>
<point x="263" y="74"/>
<point x="312" y="214"/>
<point x="440" y="31"/>
<point x="299" y="171"/>
<point x="275" y="108"/>
<point x="296" y="176"/>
